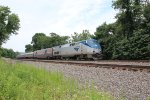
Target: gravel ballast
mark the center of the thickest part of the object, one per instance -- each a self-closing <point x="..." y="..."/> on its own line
<point x="125" y="84"/>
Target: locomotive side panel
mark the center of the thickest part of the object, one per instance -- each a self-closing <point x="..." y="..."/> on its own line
<point x="56" y="52"/>
<point x="71" y="50"/>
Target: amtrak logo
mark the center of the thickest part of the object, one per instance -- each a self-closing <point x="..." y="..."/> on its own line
<point x="76" y="48"/>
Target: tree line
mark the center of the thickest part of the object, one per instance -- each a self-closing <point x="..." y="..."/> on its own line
<point x="8" y="53"/>
<point x="9" y="24"/>
<point x="41" y="41"/>
<point x="127" y="38"/>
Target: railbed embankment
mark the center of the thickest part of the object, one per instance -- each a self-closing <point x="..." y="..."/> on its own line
<point x="120" y="83"/>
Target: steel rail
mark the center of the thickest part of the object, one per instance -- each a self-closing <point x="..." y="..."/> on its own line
<point x="97" y="65"/>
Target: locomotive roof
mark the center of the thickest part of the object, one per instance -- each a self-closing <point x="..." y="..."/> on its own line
<point x="26" y="53"/>
<point x="68" y="44"/>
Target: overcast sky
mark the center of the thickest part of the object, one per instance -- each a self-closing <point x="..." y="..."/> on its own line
<point x="63" y="17"/>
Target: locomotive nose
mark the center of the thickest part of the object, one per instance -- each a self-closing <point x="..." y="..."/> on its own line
<point x="96" y="51"/>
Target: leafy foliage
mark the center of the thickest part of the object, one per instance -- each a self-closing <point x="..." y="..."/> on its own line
<point x="29" y="48"/>
<point x="129" y="36"/>
<point x="38" y="41"/>
<point x="41" y="41"/>
<point x="8" y="53"/>
<point x="81" y="36"/>
<point x="56" y="39"/>
<point x="9" y="23"/>
<point x="137" y="47"/>
<point x="105" y="34"/>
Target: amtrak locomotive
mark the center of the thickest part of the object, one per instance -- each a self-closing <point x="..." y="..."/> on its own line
<point x="86" y="49"/>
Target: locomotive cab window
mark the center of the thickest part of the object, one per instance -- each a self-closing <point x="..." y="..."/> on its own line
<point x="93" y="43"/>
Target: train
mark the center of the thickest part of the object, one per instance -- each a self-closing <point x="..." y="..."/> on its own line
<point x="86" y="49"/>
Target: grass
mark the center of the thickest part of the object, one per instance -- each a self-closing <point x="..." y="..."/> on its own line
<point x="25" y="82"/>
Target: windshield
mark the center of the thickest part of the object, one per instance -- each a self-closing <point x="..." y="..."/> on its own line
<point x="93" y="43"/>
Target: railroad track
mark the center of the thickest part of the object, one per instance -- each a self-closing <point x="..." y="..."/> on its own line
<point x="140" y="65"/>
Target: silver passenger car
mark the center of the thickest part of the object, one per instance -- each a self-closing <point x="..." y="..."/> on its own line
<point x="25" y="55"/>
<point x="29" y="55"/>
<point x="43" y="53"/>
<point x="20" y="56"/>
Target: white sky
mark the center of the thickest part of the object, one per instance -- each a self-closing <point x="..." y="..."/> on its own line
<point x="63" y="17"/>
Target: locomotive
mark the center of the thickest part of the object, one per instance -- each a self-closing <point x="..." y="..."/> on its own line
<point x="86" y="49"/>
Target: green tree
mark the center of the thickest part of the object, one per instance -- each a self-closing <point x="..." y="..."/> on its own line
<point x="9" y="23"/>
<point x="136" y="47"/>
<point x="130" y="16"/>
<point x="29" y="48"/>
<point x="81" y="36"/>
<point x="146" y="22"/>
<point x="38" y="40"/>
<point x="129" y="36"/>
<point x="41" y="41"/>
<point x="105" y="34"/>
<point x="55" y="40"/>
<point x="124" y="17"/>
<point x="8" y="53"/>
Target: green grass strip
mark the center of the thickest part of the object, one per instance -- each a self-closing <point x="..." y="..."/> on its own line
<point x="25" y="82"/>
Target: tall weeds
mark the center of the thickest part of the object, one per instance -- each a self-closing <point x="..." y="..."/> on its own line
<point x="25" y="82"/>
